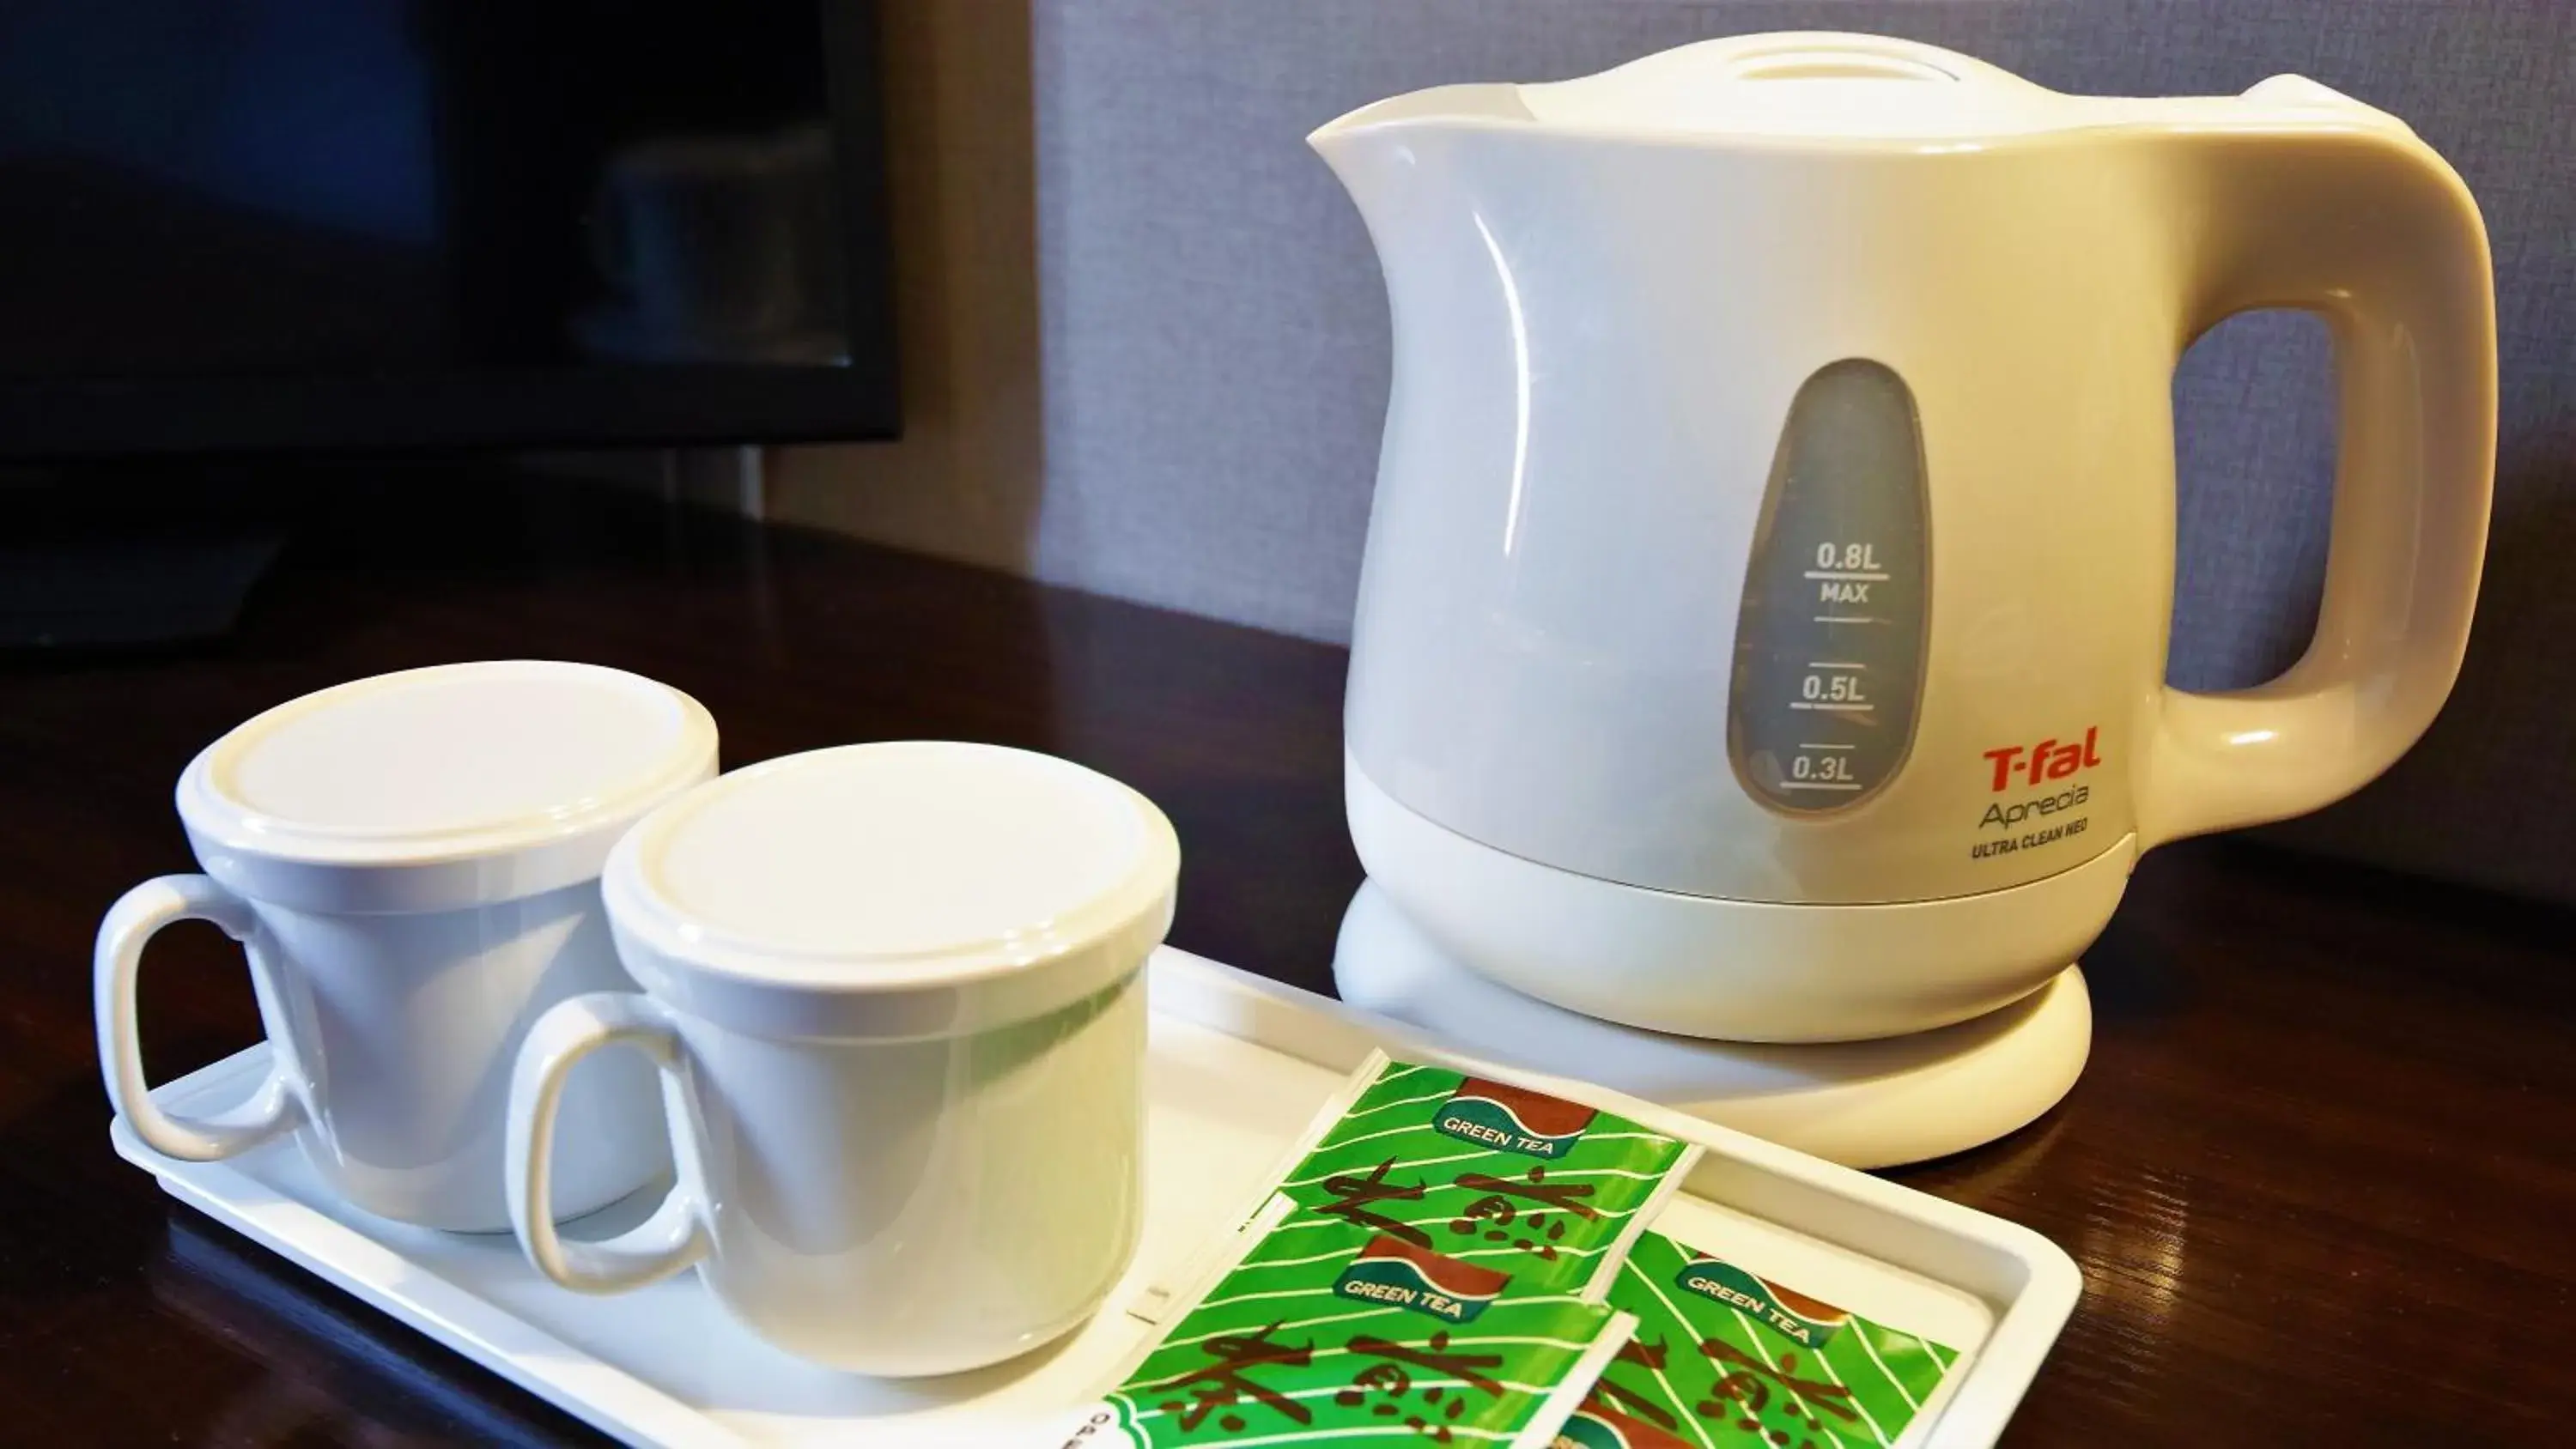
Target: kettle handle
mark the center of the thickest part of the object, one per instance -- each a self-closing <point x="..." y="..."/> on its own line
<point x="2338" y="209"/>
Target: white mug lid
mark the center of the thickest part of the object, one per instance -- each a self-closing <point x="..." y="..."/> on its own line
<point x="429" y="789"/>
<point x="901" y="889"/>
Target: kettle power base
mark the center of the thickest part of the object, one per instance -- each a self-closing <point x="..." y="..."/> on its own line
<point x="1862" y="1104"/>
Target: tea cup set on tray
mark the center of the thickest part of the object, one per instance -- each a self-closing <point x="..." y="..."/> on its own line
<point x="863" y="1036"/>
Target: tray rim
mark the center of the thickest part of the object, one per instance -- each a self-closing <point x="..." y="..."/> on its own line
<point x="1298" y="1023"/>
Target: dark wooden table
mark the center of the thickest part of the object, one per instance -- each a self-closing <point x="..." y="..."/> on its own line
<point x="2319" y="1174"/>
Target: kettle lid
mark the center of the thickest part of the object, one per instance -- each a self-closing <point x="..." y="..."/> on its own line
<point x="1829" y="85"/>
<point x="1796" y="84"/>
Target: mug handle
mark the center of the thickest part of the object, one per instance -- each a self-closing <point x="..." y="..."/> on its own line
<point x="276" y="1107"/>
<point x="2338" y="209"/>
<point x="676" y="1236"/>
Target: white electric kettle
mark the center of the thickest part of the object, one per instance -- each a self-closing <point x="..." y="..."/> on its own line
<point x="1763" y="628"/>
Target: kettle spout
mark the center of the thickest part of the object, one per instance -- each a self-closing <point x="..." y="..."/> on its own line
<point x="1339" y="139"/>
<point x="1373" y="151"/>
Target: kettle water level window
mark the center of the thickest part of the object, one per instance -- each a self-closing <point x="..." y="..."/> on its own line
<point x="1829" y="641"/>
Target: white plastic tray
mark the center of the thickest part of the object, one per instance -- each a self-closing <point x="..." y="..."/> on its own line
<point x="1237" y="1066"/>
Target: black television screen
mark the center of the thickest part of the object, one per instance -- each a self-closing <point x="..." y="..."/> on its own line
<point x="360" y="224"/>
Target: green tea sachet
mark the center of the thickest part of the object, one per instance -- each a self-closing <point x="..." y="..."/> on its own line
<point x="1359" y="1339"/>
<point x="1547" y="1190"/>
<point x="1725" y="1359"/>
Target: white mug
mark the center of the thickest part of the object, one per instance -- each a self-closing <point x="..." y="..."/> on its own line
<point x="894" y="994"/>
<point x="411" y="865"/>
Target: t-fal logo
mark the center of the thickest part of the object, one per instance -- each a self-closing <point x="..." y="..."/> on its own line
<point x="2047" y="760"/>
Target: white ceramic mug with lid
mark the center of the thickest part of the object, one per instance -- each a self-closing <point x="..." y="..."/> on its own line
<point x="411" y="865"/>
<point x="894" y="993"/>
